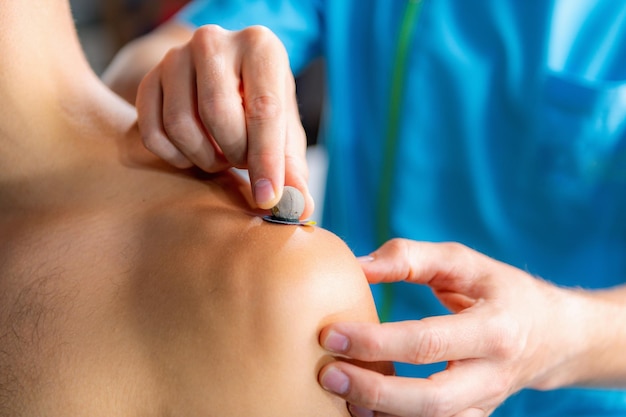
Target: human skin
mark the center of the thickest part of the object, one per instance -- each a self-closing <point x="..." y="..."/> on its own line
<point x="215" y="98"/>
<point x="130" y="288"/>
<point x="510" y="331"/>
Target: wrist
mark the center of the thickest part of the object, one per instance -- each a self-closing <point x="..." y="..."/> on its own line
<point x="588" y="335"/>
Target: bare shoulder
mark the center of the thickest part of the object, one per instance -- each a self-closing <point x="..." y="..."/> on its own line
<point x="318" y="263"/>
<point x="192" y="306"/>
<point x="244" y="301"/>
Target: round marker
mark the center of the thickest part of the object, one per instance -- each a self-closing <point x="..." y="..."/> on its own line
<point x="289" y="208"/>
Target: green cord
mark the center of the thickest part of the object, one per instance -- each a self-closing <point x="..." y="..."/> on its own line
<point x="391" y="141"/>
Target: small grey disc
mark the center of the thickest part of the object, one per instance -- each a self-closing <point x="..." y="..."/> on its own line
<point x="290" y="206"/>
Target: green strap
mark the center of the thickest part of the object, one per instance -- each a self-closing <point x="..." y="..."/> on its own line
<point x="391" y="141"/>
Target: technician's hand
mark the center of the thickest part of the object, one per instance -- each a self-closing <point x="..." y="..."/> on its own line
<point x="510" y="331"/>
<point x="228" y="99"/>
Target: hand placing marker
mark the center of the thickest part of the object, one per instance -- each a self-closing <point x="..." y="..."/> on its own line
<point x="227" y="99"/>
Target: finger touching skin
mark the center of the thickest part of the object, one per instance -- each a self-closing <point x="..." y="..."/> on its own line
<point x="264" y="71"/>
<point x="494" y="344"/>
<point x="461" y="390"/>
<point x="247" y="102"/>
<point x="476" y="344"/>
<point x="227" y="99"/>
<point x="430" y="340"/>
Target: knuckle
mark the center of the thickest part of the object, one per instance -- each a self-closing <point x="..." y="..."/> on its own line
<point x="172" y="55"/>
<point x="263" y="107"/>
<point x="428" y="346"/>
<point x="462" y="260"/>
<point x="208" y="41"/>
<point x="152" y="141"/>
<point x="398" y="252"/>
<point x="257" y="35"/>
<point x="264" y="44"/>
<point x="207" y="33"/>
<point x="176" y="124"/>
<point x="508" y="341"/>
<point x="218" y="106"/>
<point x="397" y="246"/>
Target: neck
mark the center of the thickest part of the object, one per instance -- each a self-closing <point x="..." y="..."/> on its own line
<point x="37" y="41"/>
<point x="50" y="95"/>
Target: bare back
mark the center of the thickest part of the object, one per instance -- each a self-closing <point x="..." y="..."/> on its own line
<point x="139" y="291"/>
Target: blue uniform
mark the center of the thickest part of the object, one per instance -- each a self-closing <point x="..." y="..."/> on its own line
<point x="500" y="124"/>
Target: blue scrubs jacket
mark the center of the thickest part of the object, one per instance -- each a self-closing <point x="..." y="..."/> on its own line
<point x="496" y="123"/>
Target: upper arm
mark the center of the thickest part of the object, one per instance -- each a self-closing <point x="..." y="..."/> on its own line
<point x="278" y="287"/>
<point x="139" y="56"/>
<point x="315" y="282"/>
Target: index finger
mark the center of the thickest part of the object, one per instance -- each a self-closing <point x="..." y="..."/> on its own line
<point x="449" y="266"/>
<point x="266" y="76"/>
<point x="466" y="335"/>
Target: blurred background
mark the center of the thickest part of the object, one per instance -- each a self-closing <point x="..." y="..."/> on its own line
<point x="104" y="26"/>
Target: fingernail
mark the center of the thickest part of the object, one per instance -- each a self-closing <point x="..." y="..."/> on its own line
<point x="357" y="411"/>
<point x="365" y="259"/>
<point x="336" y="342"/>
<point x="263" y="192"/>
<point x="336" y="381"/>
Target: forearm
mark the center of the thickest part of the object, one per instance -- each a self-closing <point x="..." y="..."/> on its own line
<point x="594" y="351"/>
<point x="137" y="58"/>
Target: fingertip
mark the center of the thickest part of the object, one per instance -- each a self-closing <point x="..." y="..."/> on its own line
<point x="335" y="342"/>
<point x="334" y="380"/>
<point x="358" y="411"/>
<point x="265" y="194"/>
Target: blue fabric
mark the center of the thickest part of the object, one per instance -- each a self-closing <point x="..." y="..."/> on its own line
<point x="298" y="23"/>
<point x="512" y="138"/>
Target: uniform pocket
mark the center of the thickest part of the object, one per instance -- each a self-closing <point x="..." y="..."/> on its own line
<point x="582" y="138"/>
<point x="575" y="161"/>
